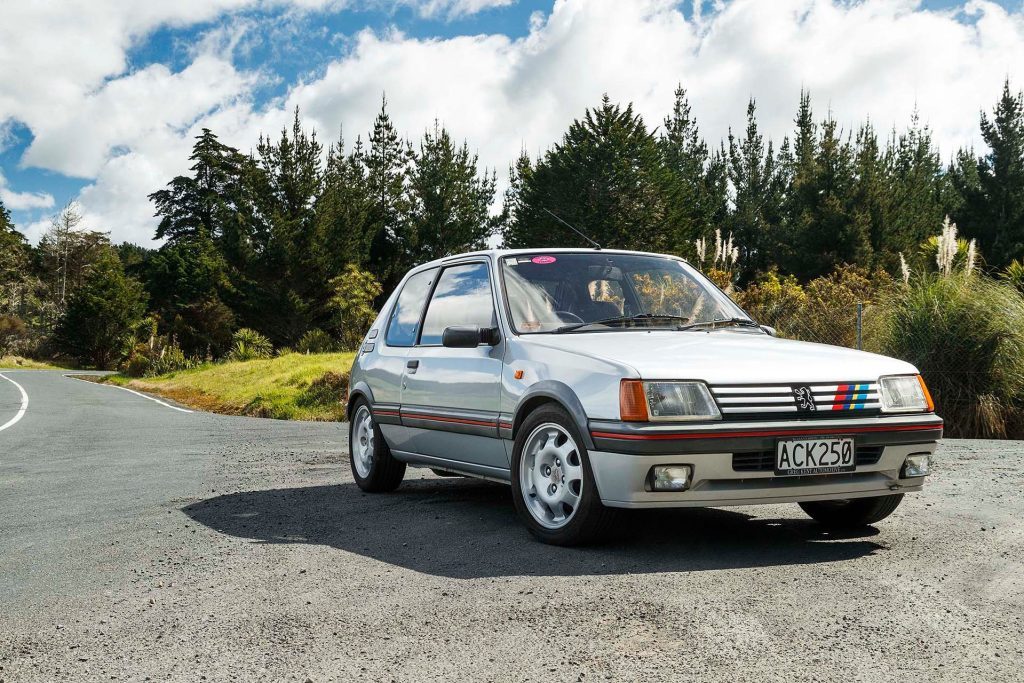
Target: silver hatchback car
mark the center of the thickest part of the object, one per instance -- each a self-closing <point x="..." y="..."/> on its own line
<point x="591" y="380"/>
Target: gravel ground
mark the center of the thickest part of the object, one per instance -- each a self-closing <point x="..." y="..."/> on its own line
<point x="269" y="564"/>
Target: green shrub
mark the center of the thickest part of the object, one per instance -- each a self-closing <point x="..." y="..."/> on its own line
<point x="13" y="334"/>
<point x="328" y="389"/>
<point x="136" y="365"/>
<point x="1014" y="275"/>
<point x="158" y="357"/>
<point x="965" y="333"/>
<point x="316" y="341"/>
<point x="774" y="300"/>
<point x="354" y="292"/>
<point x="829" y="313"/>
<point x="171" y="359"/>
<point x="249" y="344"/>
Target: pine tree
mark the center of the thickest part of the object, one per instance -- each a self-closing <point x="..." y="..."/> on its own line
<point x="388" y="161"/>
<point x="918" y="188"/>
<point x="207" y="219"/>
<point x="758" y="183"/>
<point x="800" y="165"/>
<point x="343" y="231"/>
<point x="844" y="239"/>
<point x="697" y="196"/>
<point x="871" y="201"/>
<point x="822" y="228"/>
<point x="102" y="313"/>
<point x="13" y="250"/>
<point x="289" y="284"/>
<point x="450" y="199"/>
<point x="186" y="280"/>
<point x="605" y="177"/>
<point x="992" y="187"/>
<point x="206" y="203"/>
<point x="515" y="213"/>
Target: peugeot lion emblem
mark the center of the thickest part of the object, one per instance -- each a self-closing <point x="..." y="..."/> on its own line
<point x="804" y="399"/>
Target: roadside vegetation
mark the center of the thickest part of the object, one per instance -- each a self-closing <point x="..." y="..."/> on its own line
<point x="291" y="386"/>
<point x="21" y="363"/>
<point x="295" y="245"/>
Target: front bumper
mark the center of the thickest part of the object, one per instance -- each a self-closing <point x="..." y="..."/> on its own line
<point x="621" y="472"/>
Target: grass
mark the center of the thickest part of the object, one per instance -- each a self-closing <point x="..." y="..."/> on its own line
<point x="19" y="363"/>
<point x="294" y="386"/>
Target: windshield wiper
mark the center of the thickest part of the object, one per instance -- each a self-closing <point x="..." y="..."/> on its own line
<point x="725" y="322"/>
<point x="621" y="319"/>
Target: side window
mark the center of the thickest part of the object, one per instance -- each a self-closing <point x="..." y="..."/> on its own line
<point x="405" y="316"/>
<point x="462" y="297"/>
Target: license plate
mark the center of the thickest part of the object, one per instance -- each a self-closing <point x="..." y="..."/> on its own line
<point x="814" y="456"/>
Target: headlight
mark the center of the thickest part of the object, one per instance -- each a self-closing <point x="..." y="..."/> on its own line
<point x="904" y="394"/>
<point x="666" y="401"/>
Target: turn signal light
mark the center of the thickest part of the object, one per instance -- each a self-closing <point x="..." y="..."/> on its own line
<point x="927" y="394"/>
<point x="632" y="402"/>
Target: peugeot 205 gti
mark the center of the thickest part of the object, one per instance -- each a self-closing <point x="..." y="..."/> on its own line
<point x="590" y="380"/>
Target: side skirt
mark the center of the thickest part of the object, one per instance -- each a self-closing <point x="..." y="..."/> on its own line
<point x="497" y="474"/>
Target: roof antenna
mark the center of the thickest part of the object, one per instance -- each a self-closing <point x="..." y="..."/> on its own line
<point x="575" y="230"/>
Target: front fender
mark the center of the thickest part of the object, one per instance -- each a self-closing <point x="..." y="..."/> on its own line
<point x="559" y="392"/>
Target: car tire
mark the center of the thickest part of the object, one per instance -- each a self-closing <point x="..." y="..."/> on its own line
<point x="373" y="467"/>
<point x="546" y="437"/>
<point x="852" y="513"/>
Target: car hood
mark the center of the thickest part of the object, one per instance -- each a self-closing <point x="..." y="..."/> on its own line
<point x="725" y="356"/>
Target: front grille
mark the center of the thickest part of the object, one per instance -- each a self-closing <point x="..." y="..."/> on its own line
<point x="781" y="401"/>
<point x="764" y="461"/>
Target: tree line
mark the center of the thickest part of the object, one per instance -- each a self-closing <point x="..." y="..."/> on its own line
<point x="295" y="236"/>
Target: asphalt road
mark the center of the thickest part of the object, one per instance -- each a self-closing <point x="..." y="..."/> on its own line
<point x="140" y="542"/>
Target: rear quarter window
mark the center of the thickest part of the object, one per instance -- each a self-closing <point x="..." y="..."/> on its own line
<point x="404" y="323"/>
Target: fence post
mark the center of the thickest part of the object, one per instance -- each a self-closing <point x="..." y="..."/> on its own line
<point x="860" y="326"/>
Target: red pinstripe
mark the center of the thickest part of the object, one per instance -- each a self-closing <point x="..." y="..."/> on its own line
<point x="766" y="432"/>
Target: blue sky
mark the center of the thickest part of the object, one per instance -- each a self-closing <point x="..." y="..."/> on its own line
<point x="100" y="104"/>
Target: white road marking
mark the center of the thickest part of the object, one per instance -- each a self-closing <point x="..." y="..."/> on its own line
<point x="130" y="391"/>
<point x="24" y="404"/>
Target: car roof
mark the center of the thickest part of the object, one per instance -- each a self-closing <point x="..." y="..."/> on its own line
<point x="498" y="253"/>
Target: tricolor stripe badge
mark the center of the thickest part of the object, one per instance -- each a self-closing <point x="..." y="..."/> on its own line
<point x="850" y="397"/>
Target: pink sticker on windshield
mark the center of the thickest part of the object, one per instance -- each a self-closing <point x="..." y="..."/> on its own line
<point x="543" y="260"/>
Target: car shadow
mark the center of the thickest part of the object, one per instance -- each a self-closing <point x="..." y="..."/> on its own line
<point x="465" y="528"/>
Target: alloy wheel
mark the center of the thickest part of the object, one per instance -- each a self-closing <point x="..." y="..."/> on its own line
<point x="551" y="475"/>
<point x="363" y="441"/>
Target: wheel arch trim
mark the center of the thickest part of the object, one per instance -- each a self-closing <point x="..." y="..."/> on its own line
<point x="547" y="391"/>
<point x="359" y="390"/>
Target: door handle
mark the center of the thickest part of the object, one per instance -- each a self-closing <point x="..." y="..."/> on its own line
<point x="412" y="365"/>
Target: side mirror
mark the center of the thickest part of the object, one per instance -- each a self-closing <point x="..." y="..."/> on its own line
<point x="770" y="330"/>
<point x="469" y="337"/>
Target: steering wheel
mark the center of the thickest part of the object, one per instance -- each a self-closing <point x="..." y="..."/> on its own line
<point x="568" y="317"/>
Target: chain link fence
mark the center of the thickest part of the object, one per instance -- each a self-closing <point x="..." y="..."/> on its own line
<point x="839" y="327"/>
<point x="961" y="392"/>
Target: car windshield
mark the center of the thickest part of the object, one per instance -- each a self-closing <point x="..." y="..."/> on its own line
<point x="585" y="292"/>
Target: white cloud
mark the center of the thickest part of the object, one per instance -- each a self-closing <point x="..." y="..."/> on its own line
<point x="874" y="58"/>
<point x="453" y="9"/>
<point x="23" y="201"/>
<point x="130" y="112"/>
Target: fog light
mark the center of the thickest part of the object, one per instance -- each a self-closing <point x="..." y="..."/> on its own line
<point x="671" y="477"/>
<point x="919" y="465"/>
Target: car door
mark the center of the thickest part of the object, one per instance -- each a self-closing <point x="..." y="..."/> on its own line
<point x="450" y="396"/>
<point x="384" y="367"/>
